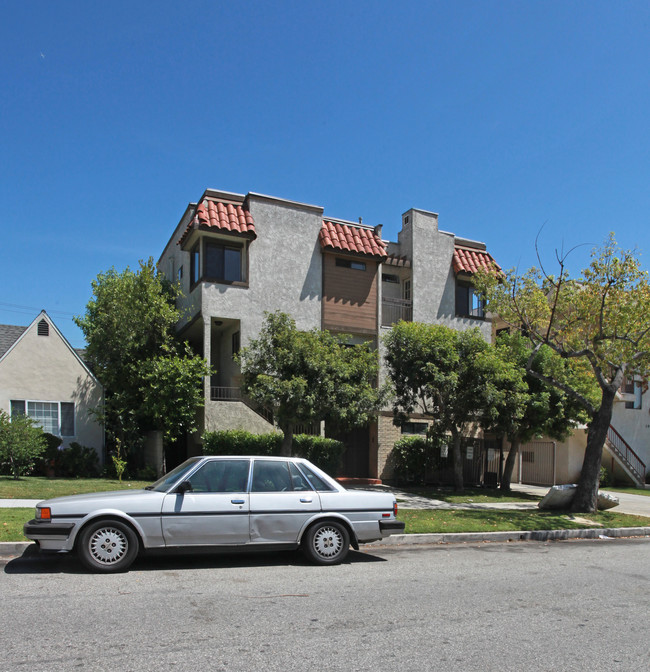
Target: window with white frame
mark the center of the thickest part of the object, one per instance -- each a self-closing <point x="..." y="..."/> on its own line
<point x="55" y="417"/>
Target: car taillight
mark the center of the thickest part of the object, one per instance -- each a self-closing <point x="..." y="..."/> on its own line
<point x="44" y="513"/>
<point x="395" y="509"/>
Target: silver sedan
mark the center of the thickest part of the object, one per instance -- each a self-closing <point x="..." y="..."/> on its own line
<point x="221" y="503"/>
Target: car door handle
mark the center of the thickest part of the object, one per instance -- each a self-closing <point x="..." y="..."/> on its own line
<point x="238" y="501"/>
<point x="306" y="500"/>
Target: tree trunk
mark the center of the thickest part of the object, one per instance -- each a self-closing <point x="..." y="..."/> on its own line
<point x="458" y="463"/>
<point x="287" y="440"/>
<point x="586" y="497"/>
<point x="511" y="460"/>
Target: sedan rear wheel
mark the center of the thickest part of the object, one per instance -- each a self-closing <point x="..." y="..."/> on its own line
<point x="326" y="543"/>
<point x="108" y="546"/>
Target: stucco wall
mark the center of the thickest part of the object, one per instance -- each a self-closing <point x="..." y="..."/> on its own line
<point x="43" y="368"/>
<point x="225" y="415"/>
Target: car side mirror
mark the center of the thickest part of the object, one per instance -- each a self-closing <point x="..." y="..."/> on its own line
<point x="184" y="487"/>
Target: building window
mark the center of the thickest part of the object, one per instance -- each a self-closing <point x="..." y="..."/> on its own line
<point x="222" y="263"/>
<point x="406" y="290"/>
<point x="55" y="417"/>
<point x="637" y="390"/>
<point x="43" y="328"/>
<point x="387" y="277"/>
<point x="180" y="274"/>
<point x="349" y="263"/>
<point x="195" y="265"/>
<point x="468" y="302"/>
<point x="415" y="428"/>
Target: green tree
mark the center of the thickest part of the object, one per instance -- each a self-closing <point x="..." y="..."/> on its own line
<point x="21" y="443"/>
<point x="309" y="376"/>
<point x="599" y="318"/>
<point x="454" y="377"/>
<point x="547" y="411"/>
<point x="151" y="380"/>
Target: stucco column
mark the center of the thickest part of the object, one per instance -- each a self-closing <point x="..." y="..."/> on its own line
<point x="207" y="353"/>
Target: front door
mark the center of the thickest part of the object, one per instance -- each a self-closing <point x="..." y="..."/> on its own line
<point x="214" y="511"/>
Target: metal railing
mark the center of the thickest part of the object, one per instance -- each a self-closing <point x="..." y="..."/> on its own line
<point x="220" y="393"/>
<point x="395" y="310"/>
<point x="619" y="446"/>
<point x="225" y="393"/>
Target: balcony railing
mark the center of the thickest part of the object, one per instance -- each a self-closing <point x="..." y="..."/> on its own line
<point x="396" y="310"/>
<point x="225" y="393"/>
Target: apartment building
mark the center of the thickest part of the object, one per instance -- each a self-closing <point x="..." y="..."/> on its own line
<point x="237" y="256"/>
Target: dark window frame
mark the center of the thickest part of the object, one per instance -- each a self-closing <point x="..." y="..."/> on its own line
<point x="352" y="264"/>
<point x="469" y="303"/>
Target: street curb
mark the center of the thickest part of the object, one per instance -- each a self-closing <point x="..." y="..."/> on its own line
<point x="19" y="547"/>
<point x="533" y="535"/>
<point x="14" y="547"/>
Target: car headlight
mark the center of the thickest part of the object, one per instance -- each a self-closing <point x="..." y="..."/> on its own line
<point x="43" y="513"/>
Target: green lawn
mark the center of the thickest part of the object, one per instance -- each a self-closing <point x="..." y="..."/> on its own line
<point x="40" y="487"/>
<point x="440" y="521"/>
<point x="469" y="495"/>
<point x="629" y="491"/>
<point x="11" y="523"/>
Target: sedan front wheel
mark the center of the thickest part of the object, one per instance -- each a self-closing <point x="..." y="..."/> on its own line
<point x="326" y="543"/>
<point x="108" y="546"/>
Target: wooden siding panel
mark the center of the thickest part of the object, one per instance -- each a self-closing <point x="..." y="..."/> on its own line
<point x="349" y="296"/>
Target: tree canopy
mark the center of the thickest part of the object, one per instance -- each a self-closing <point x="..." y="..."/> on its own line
<point x="547" y="410"/>
<point x="309" y="376"/>
<point x="151" y="379"/>
<point x="454" y="377"/>
<point x="600" y="319"/>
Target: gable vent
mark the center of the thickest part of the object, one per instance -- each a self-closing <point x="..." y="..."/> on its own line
<point x="43" y="328"/>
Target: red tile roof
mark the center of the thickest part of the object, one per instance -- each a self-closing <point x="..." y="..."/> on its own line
<point x="224" y="217"/>
<point x="349" y="238"/>
<point x="469" y="260"/>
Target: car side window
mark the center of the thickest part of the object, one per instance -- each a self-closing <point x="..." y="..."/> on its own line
<point x="221" y="476"/>
<point x="298" y="481"/>
<point x="271" y="476"/>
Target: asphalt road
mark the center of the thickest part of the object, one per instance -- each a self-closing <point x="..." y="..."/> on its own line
<point x="580" y="605"/>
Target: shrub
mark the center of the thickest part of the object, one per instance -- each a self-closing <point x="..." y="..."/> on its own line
<point x="46" y="464"/>
<point x="21" y="444"/>
<point x="324" y="453"/>
<point x="240" y="442"/>
<point x="413" y="457"/>
<point x="605" y="478"/>
<point x="409" y="458"/>
<point x="77" y="461"/>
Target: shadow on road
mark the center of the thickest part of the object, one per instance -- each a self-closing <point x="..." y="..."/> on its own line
<point x="34" y="562"/>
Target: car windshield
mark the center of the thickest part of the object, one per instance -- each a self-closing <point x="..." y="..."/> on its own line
<point x="174" y="476"/>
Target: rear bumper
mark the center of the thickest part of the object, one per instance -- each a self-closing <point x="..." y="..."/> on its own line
<point x="388" y="527"/>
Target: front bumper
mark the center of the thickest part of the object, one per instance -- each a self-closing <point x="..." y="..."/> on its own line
<point x="50" y="536"/>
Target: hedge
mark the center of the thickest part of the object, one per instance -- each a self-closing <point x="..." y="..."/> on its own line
<point x="324" y="453"/>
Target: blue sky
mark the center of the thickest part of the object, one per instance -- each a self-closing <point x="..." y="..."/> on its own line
<point x="503" y="117"/>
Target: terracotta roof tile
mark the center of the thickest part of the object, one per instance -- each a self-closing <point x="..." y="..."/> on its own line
<point x="221" y="216"/>
<point x="469" y="260"/>
<point x="350" y="238"/>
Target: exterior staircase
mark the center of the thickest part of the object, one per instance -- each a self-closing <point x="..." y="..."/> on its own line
<point x="629" y="461"/>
